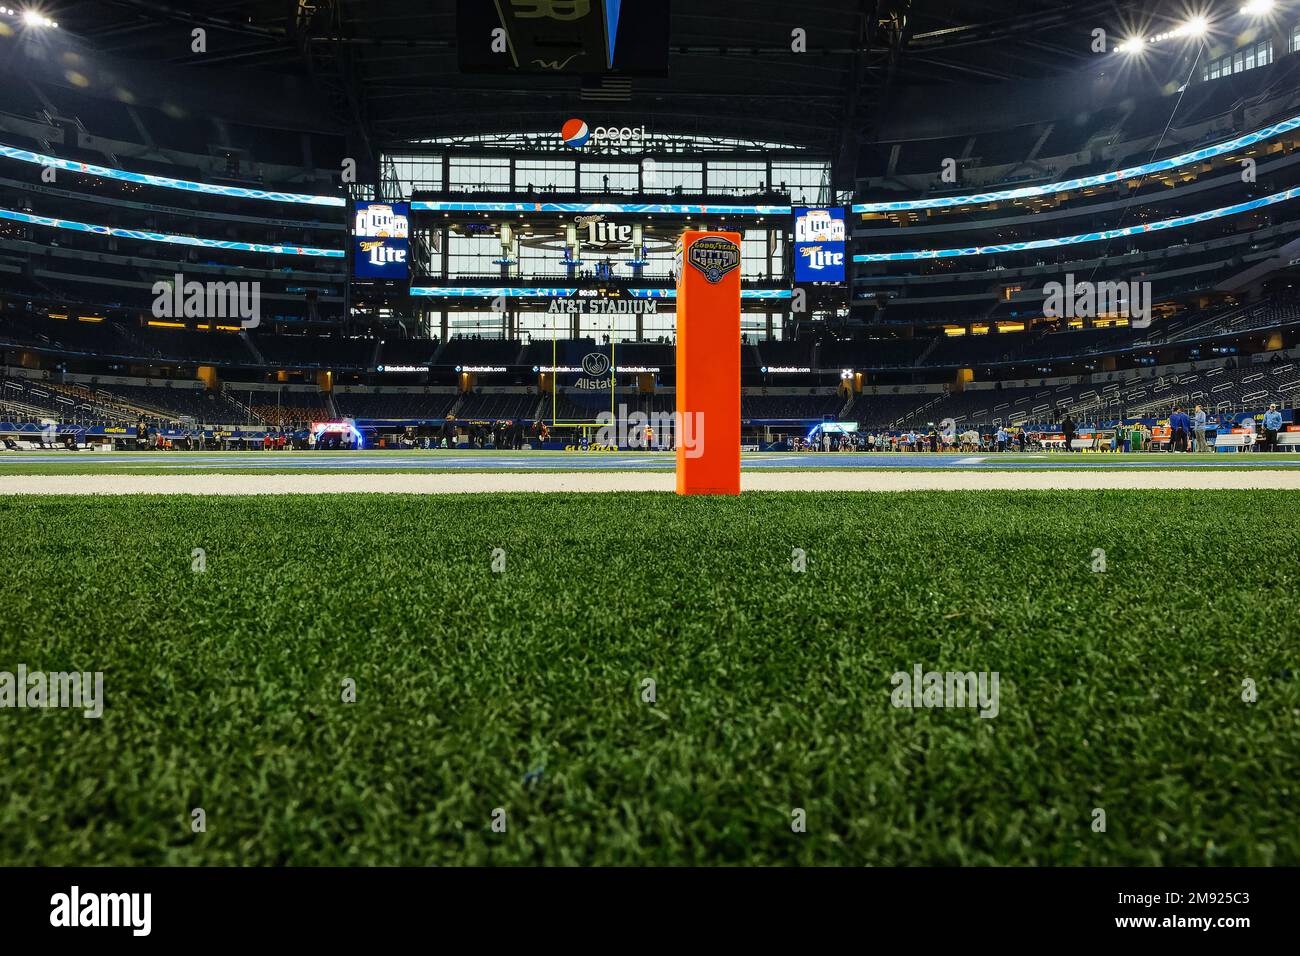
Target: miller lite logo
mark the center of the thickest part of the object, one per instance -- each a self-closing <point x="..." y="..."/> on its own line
<point x="608" y="234"/>
<point x="818" y="258"/>
<point x="380" y="253"/>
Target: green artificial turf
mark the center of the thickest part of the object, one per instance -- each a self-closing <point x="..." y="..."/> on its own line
<point x="521" y="462"/>
<point x="522" y="690"/>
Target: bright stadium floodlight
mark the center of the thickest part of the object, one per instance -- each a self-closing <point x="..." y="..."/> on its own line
<point x="1257" y="8"/>
<point x="1196" y="26"/>
<point x="34" y="18"/>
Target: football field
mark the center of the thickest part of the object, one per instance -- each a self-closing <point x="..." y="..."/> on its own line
<point x="639" y="678"/>
<point x="636" y="462"/>
<point x="438" y="472"/>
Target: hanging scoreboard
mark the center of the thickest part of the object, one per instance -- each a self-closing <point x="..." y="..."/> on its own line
<point x="576" y="37"/>
<point x="381" y="245"/>
<point x="820" y="259"/>
<point x="819" y="244"/>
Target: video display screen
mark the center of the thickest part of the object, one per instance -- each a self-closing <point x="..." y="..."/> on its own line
<point x="381" y="246"/>
<point x="584" y="37"/>
<point x="819" y="238"/>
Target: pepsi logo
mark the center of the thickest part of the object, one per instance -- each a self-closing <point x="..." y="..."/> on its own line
<point x="575" y="134"/>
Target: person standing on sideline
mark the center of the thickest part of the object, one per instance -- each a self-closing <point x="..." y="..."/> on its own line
<point x="1179" y="428"/>
<point x="1272" y="425"/>
<point x="1198" y="425"/>
<point x="1068" y="430"/>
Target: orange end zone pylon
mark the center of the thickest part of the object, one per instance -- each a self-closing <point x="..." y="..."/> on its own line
<point x="708" y="363"/>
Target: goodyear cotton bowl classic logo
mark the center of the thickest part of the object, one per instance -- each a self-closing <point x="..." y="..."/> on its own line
<point x="714" y="256"/>
<point x="381" y="244"/>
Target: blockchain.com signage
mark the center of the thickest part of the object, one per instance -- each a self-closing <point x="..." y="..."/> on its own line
<point x="819" y="244"/>
<point x="381" y="245"/>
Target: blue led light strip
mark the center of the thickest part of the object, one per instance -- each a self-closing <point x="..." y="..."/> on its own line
<point x="645" y="209"/>
<point x="473" y="292"/>
<point x="1208" y="152"/>
<point x="164" y="237"/>
<point x="234" y="192"/>
<point x="1083" y="237"/>
<point x="488" y="292"/>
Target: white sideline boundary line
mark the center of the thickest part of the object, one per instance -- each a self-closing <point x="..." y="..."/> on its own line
<point x="597" y="481"/>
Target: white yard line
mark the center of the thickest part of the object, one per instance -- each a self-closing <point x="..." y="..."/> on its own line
<point x="595" y="481"/>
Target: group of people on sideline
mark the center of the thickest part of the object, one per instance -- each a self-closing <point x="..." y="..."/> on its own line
<point x="1186" y="432"/>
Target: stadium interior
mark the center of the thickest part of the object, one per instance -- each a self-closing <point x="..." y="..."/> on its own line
<point x="356" y="358"/>
<point x="122" y="170"/>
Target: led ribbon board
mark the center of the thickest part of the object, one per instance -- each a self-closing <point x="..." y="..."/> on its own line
<point x="75" y="226"/>
<point x="1102" y="179"/>
<point x="1164" y="224"/>
<point x="163" y="182"/>
<point x="638" y="209"/>
<point x="477" y="292"/>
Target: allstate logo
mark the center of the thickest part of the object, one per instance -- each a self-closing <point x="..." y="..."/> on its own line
<point x="595" y="364"/>
<point x="575" y="134"/>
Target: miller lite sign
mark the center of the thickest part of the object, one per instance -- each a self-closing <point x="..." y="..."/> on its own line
<point x="381" y="241"/>
<point x="819" y="244"/>
<point x="609" y="234"/>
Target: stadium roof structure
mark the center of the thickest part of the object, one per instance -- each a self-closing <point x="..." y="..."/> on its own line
<point x="392" y="74"/>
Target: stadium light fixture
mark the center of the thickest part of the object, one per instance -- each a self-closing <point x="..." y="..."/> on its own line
<point x="1196" y="27"/>
<point x="34" y="18"/>
<point x="1257" y="8"/>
